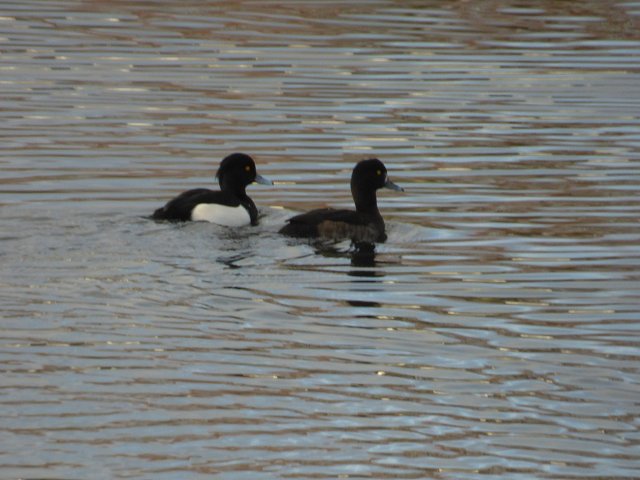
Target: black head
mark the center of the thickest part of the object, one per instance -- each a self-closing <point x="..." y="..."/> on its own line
<point x="238" y="170"/>
<point x="367" y="177"/>
<point x="370" y="175"/>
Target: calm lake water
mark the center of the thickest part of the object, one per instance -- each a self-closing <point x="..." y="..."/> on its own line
<point x="496" y="334"/>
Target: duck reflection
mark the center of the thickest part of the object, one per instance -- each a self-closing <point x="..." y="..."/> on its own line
<point x="233" y="261"/>
<point x="235" y="248"/>
<point x="363" y="257"/>
<point x="361" y="254"/>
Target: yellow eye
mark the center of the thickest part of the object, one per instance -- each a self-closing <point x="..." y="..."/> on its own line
<point x="379" y="172"/>
<point x="247" y="168"/>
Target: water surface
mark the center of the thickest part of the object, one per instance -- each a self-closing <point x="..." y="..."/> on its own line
<point x="494" y="335"/>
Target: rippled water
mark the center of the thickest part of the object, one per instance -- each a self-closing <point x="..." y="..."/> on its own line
<point x="494" y="335"/>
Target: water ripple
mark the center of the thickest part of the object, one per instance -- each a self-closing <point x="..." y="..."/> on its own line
<point x="493" y="334"/>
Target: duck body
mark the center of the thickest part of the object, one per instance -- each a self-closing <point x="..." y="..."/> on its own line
<point x="229" y="206"/>
<point x="364" y="224"/>
<point x="202" y="204"/>
<point x="334" y="224"/>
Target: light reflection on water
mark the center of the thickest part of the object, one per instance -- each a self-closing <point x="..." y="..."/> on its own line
<point x="494" y="334"/>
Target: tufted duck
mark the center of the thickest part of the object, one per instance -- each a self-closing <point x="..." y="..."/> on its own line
<point x="365" y="224"/>
<point x="230" y="206"/>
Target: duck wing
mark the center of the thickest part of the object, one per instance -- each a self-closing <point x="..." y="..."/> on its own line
<point x="315" y="217"/>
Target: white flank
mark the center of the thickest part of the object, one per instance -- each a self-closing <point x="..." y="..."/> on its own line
<point x="221" y="214"/>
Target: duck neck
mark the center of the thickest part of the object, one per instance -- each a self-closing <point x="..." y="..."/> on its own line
<point x="228" y="184"/>
<point x="365" y="200"/>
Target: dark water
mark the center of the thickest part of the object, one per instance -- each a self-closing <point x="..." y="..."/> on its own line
<point x="495" y="335"/>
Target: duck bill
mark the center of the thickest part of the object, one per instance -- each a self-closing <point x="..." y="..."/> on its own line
<point x="392" y="186"/>
<point x="263" y="181"/>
